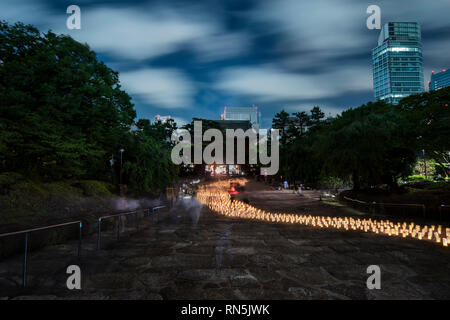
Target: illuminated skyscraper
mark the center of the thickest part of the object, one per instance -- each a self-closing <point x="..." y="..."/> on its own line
<point x="440" y="80"/>
<point x="397" y="62"/>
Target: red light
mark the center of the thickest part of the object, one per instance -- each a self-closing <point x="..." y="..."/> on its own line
<point x="443" y="70"/>
<point x="233" y="191"/>
<point x="432" y="71"/>
<point x="446" y="104"/>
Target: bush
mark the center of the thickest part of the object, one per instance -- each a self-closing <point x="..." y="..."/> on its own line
<point x="8" y="180"/>
<point x="93" y="188"/>
<point x="417" y="177"/>
<point x="329" y="182"/>
<point x="429" y="185"/>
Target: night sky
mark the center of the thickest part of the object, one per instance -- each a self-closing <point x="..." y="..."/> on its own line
<point x="191" y="58"/>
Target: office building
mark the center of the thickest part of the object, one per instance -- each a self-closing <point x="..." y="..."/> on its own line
<point x="248" y="114"/>
<point x="397" y="62"/>
<point x="440" y="80"/>
<point x="161" y="118"/>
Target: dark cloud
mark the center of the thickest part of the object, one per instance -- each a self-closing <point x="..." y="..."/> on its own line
<point x="191" y="58"/>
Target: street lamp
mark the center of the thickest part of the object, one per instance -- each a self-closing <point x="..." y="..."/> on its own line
<point x="111" y="162"/>
<point x="121" y="151"/>
<point x="424" y="163"/>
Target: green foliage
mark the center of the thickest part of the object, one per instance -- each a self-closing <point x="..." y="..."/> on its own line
<point x="424" y="166"/>
<point x="61" y="108"/>
<point x="146" y="157"/>
<point x="8" y="179"/>
<point x="429" y="115"/>
<point x="94" y="188"/>
<point x="373" y="144"/>
<point x="63" y="114"/>
<point x="370" y="143"/>
<point x="417" y="177"/>
<point x="298" y="126"/>
<point x="316" y="117"/>
<point x="29" y="203"/>
<point x="427" y="185"/>
<point x="281" y="122"/>
<point x="330" y="182"/>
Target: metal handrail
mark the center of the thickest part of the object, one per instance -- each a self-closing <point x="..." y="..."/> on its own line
<point x="80" y="223"/>
<point x="400" y="204"/>
<point x="27" y="231"/>
<point x="153" y="212"/>
<point x="117" y="217"/>
<point x="146" y="212"/>
<point x="354" y="200"/>
<point x="415" y="205"/>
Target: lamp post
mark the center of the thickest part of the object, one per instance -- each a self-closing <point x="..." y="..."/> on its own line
<point x="121" y="152"/>
<point x="111" y="162"/>
<point x="424" y="163"/>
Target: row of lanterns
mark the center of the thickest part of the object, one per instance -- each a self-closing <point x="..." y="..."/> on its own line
<point x="216" y="197"/>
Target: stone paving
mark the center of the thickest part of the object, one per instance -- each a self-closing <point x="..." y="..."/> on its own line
<point x="211" y="257"/>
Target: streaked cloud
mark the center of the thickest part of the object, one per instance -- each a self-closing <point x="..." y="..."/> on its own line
<point x="163" y="88"/>
<point x="269" y="83"/>
<point x="191" y="58"/>
<point x="137" y="33"/>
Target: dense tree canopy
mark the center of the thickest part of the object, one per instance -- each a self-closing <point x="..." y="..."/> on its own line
<point x="370" y="145"/>
<point x="63" y="114"/>
<point x="429" y="116"/>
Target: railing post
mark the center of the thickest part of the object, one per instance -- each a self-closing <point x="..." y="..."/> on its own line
<point x="136" y="217"/>
<point x="79" y="238"/>
<point x="118" y="227"/>
<point x="99" y="233"/>
<point x="24" y="281"/>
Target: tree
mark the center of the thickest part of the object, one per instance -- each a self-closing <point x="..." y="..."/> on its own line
<point x="316" y="117"/>
<point x="429" y="116"/>
<point x="64" y="109"/>
<point x="63" y="114"/>
<point x="161" y="131"/>
<point x="281" y="121"/>
<point x="302" y="119"/>
<point x="148" y="166"/>
<point x="371" y="144"/>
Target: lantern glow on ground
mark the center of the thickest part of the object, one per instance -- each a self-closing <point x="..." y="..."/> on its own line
<point x="216" y="197"/>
